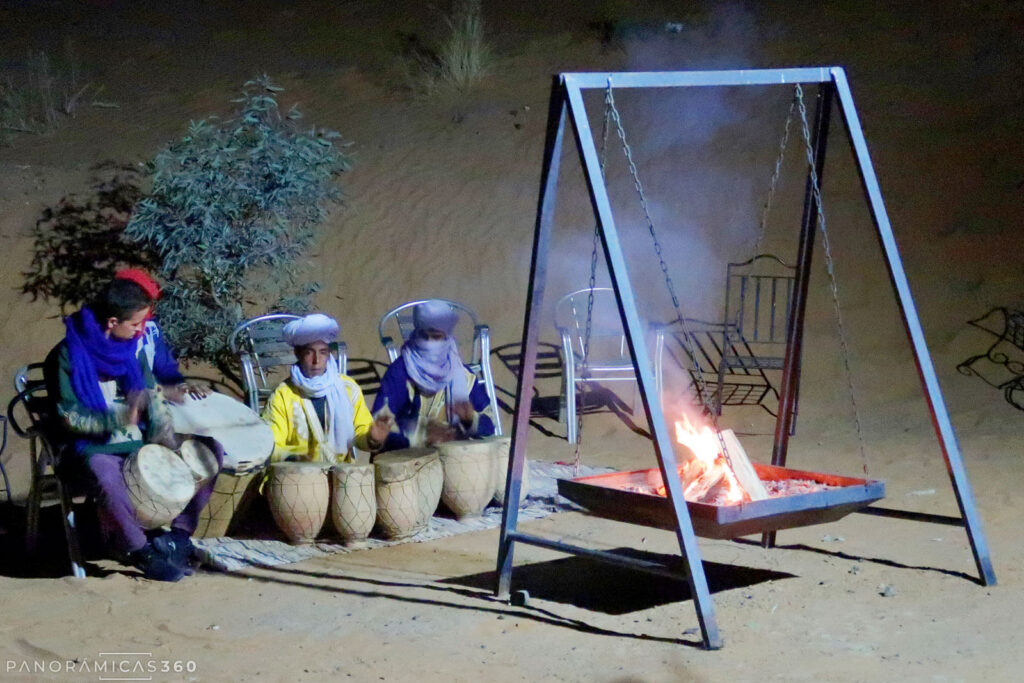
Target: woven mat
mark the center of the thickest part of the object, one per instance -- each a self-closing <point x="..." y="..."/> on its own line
<point x="231" y="554"/>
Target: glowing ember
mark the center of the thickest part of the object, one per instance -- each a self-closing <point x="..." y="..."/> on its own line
<point x="776" y="489"/>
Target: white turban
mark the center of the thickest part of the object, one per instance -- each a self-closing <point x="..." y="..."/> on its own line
<point x="311" y="328"/>
<point x="435" y="315"/>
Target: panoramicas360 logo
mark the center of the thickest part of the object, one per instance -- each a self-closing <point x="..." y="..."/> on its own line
<point x="107" y="666"/>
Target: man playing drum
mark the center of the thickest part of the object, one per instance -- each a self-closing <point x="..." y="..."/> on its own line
<point x="434" y="397"/>
<point x="103" y="388"/>
<point x="318" y="414"/>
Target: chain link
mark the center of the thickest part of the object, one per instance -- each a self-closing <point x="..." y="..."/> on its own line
<point x="830" y="267"/>
<point x="592" y="285"/>
<point x="687" y="340"/>
<point x="766" y="209"/>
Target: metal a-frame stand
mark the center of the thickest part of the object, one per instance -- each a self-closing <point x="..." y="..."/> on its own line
<point x="567" y="99"/>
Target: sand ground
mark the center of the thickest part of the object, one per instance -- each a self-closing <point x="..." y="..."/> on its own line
<point x="441" y="201"/>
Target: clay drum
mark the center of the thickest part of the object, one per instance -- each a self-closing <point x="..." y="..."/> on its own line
<point x="501" y="445"/>
<point x="405" y="480"/>
<point x="431" y="482"/>
<point x="353" y="501"/>
<point x="468" y="476"/>
<point x="247" y="443"/>
<point x="229" y="491"/>
<point x="298" y="496"/>
<point x="159" y="484"/>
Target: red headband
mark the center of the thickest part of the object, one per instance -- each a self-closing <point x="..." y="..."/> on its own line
<point x="142" y="279"/>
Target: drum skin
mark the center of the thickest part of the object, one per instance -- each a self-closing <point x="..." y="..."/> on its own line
<point x="298" y="496"/>
<point x="159" y="484"/>
<point x="201" y="460"/>
<point x="246" y="439"/>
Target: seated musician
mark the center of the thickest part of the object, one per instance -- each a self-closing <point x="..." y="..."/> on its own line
<point x="433" y="396"/>
<point x="318" y="414"/>
<point x="153" y="343"/>
<point x="106" y="399"/>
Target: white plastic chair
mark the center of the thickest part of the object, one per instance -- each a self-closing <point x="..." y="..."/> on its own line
<point x="608" y="359"/>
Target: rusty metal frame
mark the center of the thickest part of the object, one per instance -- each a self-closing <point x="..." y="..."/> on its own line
<point x="567" y="102"/>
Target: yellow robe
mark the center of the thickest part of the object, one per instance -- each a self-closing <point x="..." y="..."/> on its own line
<point x="293" y="437"/>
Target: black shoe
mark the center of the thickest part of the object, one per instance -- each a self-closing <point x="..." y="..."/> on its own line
<point x="176" y="546"/>
<point x="154" y="565"/>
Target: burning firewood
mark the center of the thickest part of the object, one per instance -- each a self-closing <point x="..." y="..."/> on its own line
<point x="740" y="463"/>
<point x="711" y="474"/>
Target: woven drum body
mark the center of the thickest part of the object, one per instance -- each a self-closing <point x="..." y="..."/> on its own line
<point x="226" y="497"/>
<point x="468" y="476"/>
<point x="501" y="445"/>
<point x="298" y="496"/>
<point x="159" y="484"/>
<point x="403" y="480"/>
<point x="353" y="501"/>
<point x="431" y="482"/>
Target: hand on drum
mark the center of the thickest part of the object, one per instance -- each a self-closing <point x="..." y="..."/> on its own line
<point x="439" y="432"/>
<point x="176" y="393"/>
<point x="138" y="401"/>
<point x="381" y="427"/>
<point x="464" y="411"/>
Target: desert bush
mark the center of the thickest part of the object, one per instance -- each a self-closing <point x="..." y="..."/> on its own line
<point x="235" y="205"/>
<point x="79" y="243"/>
<point x="461" y="59"/>
<point x="38" y="101"/>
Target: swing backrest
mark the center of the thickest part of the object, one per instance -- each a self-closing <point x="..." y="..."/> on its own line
<point x="758" y="298"/>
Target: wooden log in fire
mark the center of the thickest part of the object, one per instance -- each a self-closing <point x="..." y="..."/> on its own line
<point x="736" y="455"/>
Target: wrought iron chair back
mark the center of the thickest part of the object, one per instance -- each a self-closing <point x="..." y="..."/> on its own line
<point x="758" y="297"/>
<point x="1002" y="365"/>
<point x="396" y="325"/>
<point x="605" y="358"/>
<point x="32" y="416"/>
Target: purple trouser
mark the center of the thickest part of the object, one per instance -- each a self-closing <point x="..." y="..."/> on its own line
<point x="118" y="524"/>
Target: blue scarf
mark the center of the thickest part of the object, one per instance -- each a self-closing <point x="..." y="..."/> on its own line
<point x="435" y="366"/>
<point x="93" y="355"/>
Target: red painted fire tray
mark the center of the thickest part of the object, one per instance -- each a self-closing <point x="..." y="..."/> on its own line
<point x="606" y="495"/>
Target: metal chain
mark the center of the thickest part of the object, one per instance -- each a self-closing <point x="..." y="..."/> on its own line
<point x="766" y="209"/>
<point x="592" y="285"/>
<point x="830" y="267"/>
<point x="687" y="340"/>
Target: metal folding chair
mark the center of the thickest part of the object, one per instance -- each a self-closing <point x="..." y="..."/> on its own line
<point x="396" y="325"/>
<point x="263" y="353"/>
<point x="38" y="424"/>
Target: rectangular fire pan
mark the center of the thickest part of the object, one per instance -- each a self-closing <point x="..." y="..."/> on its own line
<point x="604" y="495"/>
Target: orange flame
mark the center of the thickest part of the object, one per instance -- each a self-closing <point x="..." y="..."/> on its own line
<point x="707" y="450"/>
